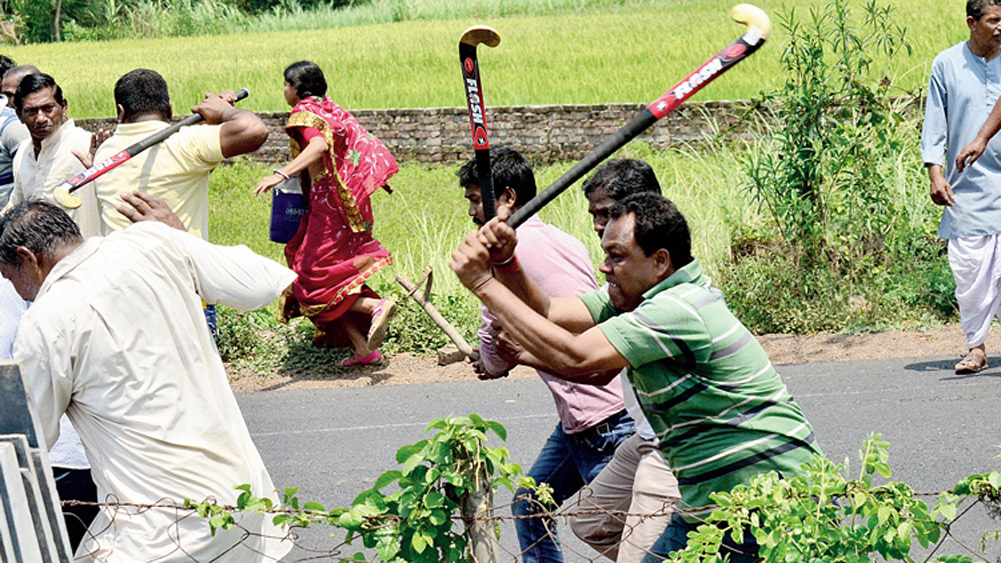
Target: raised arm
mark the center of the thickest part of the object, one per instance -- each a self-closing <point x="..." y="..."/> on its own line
<point x="584" y="358"/>
<point x="242" y="131"/>
<point x="501" y="241"/>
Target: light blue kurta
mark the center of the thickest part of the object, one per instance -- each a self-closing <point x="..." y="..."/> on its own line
<point x="961" y="93"/>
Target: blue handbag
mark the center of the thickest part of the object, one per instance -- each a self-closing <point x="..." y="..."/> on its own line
<point x="287" y="208"/>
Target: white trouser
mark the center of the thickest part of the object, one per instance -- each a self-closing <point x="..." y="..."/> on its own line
<point x="976" y="267"/>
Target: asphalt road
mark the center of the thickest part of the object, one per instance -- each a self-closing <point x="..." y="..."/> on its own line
<point x="333" y="443"/>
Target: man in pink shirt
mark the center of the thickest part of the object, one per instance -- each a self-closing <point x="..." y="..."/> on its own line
<point x="593" y="420"/>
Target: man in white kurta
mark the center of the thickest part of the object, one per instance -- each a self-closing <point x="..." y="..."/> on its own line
<point x="45" y="159"/>
<point x="116" y="339"/>
<point x="964" y="85"/>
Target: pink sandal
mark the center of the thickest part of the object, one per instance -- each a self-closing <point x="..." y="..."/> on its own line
<point x="380" y="322"/>
<point x="373" y="359"/>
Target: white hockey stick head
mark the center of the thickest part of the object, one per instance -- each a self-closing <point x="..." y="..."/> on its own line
<point x="754" y="18"/>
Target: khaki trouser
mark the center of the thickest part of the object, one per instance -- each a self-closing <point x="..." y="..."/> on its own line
<point x="637" y="481"/>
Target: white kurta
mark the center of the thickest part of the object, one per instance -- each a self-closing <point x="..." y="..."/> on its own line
<point x="117" y="339"/>
<point x="37" y="176"/>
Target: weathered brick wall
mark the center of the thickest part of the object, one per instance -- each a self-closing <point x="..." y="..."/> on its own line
<point x="545" y="133"/>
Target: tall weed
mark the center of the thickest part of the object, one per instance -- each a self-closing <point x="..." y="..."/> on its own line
<point x="846" y="246"/>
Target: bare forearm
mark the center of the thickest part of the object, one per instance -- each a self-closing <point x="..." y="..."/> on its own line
<point x="525" y="289"/>
<point x="312" y="154"/>
<point x="993" y="123"/>
<point x="546" y="345"/>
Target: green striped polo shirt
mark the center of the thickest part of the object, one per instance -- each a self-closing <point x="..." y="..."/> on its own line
<point x="720" y="410"/>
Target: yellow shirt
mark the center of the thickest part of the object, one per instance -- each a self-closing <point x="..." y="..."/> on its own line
<point x="176" y="171"/>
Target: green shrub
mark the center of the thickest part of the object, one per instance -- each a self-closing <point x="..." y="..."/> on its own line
<point x="781" y="292"/>
<point x="847" y="245"/>
<point x="821" y="515"/>
<point x="820" y="182"/>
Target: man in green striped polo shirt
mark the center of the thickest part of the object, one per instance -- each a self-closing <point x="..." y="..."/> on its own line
<point x="705" y="384"/>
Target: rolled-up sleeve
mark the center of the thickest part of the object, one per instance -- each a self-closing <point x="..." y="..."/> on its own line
<point x="492" y="362"/>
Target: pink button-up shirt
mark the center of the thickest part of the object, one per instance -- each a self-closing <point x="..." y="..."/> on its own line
<point x="561" y="266"/>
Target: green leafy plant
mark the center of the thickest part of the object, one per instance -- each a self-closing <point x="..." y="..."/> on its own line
<point x="822" y="516"/>
<point x="846" y="246"/>
<point x="450" y="475"/>
<point x="414" y="523"/>
<point x="821" y="183"/>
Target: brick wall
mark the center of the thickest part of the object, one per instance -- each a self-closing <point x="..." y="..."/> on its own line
<point x="545" y="133"/>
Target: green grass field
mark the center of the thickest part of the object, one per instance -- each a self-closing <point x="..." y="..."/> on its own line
<point x="630" y="56"/>
<point x="617" y="56"/>
<point x="425" y="218"/>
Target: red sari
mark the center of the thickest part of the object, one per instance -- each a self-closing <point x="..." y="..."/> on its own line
<point x="334" y="251"/>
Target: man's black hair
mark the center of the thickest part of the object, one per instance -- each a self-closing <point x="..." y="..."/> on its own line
<point x="621" y="177"/>
<point x="659" y="224"/>
<point x="307" y="79"/>
<point x="39" y="226"/>
<point x="142" y="92"/>
<point x="33" y="83"/>
<point x="975" y="8"/>
<point x="508" y="169"/>
<point x="6" y="63"/>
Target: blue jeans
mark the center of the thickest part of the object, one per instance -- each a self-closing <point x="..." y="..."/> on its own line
<point x="567" y="462"/>
<point x="675" y="537"/>
<point x="210" y="319"/>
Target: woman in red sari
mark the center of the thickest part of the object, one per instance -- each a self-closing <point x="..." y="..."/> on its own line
<point x="340" y="165"/>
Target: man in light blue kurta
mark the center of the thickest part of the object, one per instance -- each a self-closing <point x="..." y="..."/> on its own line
<point x="965" y="83"/>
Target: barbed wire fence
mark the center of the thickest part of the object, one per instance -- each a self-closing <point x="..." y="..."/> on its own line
<point x="334" y="549"/>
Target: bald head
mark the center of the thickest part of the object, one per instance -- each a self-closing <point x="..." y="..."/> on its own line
<point x="12" y="78"/>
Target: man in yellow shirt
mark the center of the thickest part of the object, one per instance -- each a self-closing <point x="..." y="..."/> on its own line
<point x="176" y="170"/>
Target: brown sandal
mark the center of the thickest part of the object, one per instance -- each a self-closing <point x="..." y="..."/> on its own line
<point x="968" y="366"/>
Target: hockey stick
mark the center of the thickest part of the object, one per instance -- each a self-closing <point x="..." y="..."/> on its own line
<point x="758" y="27"/>
<point x="64" y="192"/>
<point x="477" y="110"/>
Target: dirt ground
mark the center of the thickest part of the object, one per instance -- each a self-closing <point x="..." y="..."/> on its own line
<point x="782" y="349"/>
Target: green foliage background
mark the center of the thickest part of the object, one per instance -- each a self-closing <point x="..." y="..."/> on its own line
<point x="598" y="55"/>
<point x="595" y="51"/>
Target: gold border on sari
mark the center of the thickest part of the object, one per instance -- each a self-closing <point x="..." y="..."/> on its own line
<point x="310" y="119"/>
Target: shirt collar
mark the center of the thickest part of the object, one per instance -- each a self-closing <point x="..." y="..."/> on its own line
<point x="69" y="262"/>
<point x="689" y="273"/>
<point x="65" y="128"/>
<point x="532" y="222"/>
<point x="140" y="127"/>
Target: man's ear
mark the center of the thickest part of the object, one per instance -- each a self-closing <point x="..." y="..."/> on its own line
<point x="508" y="197"/>
<point x="31" y="264"/>
<point x="121" y="112"/>
<point x="27" y="256"/>
<point x="663" y="262"/>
